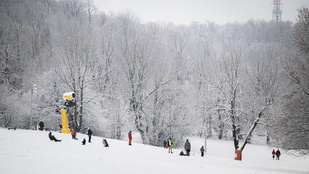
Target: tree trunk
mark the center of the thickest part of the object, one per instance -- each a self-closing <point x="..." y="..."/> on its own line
<point x="252" y="128"/>
<point x="221" y="126"/>
<point x="81" y="105"/>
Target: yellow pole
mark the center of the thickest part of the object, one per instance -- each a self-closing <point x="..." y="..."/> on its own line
<point x="65" y="124"/>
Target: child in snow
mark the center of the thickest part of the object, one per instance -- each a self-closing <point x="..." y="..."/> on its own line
<point x="105" y="144"/>
<point x="73" y="134"/>
<point x="202" y="151"/>
<point x="84" y="142"/>
<point x="273" y="153"/>
<point x="182" y="154"/>
<point x="53" y="138"/>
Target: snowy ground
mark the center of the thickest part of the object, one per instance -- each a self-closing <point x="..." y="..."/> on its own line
<point x="31" y="152"/>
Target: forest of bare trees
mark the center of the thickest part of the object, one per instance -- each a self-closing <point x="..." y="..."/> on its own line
<point x="238" y="81"/>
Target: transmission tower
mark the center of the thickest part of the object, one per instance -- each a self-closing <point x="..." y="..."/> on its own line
<point x="277" y="11"/>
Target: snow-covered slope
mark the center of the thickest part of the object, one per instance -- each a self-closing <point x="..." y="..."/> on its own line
<point x="31" y="152"/>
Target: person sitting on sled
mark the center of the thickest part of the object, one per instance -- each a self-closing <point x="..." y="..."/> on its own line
<point x="53" y="138"/>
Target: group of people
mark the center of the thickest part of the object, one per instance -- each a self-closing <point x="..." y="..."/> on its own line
<point x="187" y="147"/>
<point x="167" y="144"/>
<point x="73" y="133"/>
<point x="276" y="154"/>
<point x="89" y="133"/>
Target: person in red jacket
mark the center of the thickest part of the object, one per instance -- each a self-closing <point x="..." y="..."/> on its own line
<point x="130" y="137"/>
<point x="274" y="153"/>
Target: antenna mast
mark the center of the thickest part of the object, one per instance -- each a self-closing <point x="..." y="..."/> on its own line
<point x="277" y="11"/>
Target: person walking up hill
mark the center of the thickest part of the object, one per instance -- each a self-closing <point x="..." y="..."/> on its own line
<point x="278" y="153"/>
<point x="273" y="153"/>
<point x="89" y="134"/>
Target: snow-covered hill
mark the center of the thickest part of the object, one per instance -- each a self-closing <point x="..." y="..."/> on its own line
<point x="31" y="152"/>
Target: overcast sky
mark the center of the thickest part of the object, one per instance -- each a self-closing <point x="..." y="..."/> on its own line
<point x="186" y="11"/>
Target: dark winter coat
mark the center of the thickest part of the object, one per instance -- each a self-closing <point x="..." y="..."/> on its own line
<point x="187" y="145"/>
<point x="202" y="149"/>
<point x="51" y="137"/>
<point x="105" y="144"/>
<point x="41" y="124"/>
<point x="89" y="132"/>
<point x="182" y="154"/>
<point x="278" y="153"/>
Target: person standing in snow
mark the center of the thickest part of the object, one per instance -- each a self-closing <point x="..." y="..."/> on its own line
<point x="187" y="147"/>
<point x="73" y="134"/>
<point x="169" y="143"/>
<point x="164" y="143"/>
<point x="130" y="137"/>
<point x="84" y="142"/>
<point x="273" y="153"/>
<point x="278" y="154"/>
<point x="202" y="151"/>
<point x="89" y="134"/>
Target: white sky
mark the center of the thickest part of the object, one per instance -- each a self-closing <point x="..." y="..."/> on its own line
<point x="186" y="11"/>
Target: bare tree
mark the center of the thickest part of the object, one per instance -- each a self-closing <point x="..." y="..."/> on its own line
<point x="73" y="63"/>
<point x="136" y="59"/>
<point x="227" y="82"/>
<point x="293" y="121"/>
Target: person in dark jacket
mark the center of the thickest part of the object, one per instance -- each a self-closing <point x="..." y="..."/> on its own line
<point x="41" y="124"/>
<point x="84" y="142"/>
<point x="105" y="144"/>
<point x="53" y="138"/>
<point x="164" y="143"/>
<point x="89" y="134"/>
<point x="202" y="151"/>
<point x="278" y="154"/>
<point x="187" y="147"/>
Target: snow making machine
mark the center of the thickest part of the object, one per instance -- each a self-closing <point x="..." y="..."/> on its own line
<point x="69" y="101"/>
